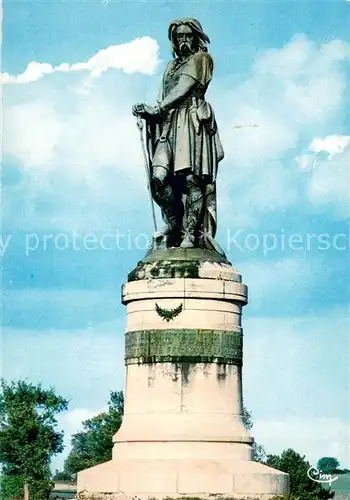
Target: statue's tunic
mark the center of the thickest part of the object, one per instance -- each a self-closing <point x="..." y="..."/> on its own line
<point x="189" y="140"/>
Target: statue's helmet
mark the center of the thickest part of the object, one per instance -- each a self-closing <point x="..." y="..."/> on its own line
<point x="196" y="27"/>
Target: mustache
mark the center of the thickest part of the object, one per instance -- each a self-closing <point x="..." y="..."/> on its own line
<point x="185" y="47"/>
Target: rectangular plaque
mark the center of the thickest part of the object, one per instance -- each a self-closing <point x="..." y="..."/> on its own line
<point x="221" y="346"/>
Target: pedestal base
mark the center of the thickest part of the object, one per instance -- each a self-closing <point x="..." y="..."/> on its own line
<point x="182" y="434"/>
<point x="160" y="479"/>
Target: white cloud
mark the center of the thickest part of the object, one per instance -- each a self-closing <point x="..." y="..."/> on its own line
<point x="276" y="280"/>
<point x="31" y="132"/>
<point x="332" y="144"/>
<point x="294" y="94"/>
<point x="33" y="72"/>
<point x="71" y="423"/>
<point x="287" y="62"/>
<point x="90" y="150"/>
<point x="75" y="156"/>
<point x="294" y="87"/>
<point x="329" y="187"/>
<point x="73" y="420"/>
<point x="138" y="56"/>
<point x="110" y="137"/>
<point x="269" y="138"/>
<point x="305" y="161"/>
<point x="94" y="132"/>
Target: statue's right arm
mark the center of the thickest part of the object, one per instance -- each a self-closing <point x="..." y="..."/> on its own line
<point x="178" y="93"/>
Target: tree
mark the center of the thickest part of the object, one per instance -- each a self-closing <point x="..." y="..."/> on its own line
<point x="93" y="445"/>
<point x="247" y="419"/>
<point x="328" y="464"/>
<point x="301" y="486"/>
<point x="28" y="437"/>
<point x="259" y="453"/>
<point x="61" y="476"/>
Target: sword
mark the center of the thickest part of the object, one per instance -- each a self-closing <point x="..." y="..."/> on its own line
<point x="140" y="126"/>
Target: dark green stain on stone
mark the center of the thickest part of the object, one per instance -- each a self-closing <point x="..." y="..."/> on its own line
<point x="163" y="269"/>
<point x="174" y="263"/>
<point x="155" y="272"/>
<point x="221" y="372"/>
<point x="185" y="372"/>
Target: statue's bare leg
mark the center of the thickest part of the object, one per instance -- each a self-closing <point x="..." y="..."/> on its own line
<point x="194" y="210"/>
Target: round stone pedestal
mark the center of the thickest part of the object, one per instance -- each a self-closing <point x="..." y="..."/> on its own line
<point x="182" y="432"/>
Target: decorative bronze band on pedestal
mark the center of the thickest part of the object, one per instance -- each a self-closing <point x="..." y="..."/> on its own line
<point x="183" y="345"/>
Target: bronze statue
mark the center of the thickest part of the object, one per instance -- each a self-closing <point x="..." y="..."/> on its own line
<point x="183" y="144"/>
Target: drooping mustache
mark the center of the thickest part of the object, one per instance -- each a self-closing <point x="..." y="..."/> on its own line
<point x="185" y="47"/>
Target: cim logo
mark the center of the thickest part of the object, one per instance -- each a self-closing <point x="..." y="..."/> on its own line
<point x="318" y="477"/>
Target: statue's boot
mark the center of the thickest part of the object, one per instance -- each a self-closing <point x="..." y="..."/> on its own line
<point x="170" y="222"/>
<point x="172" y="210"/>
<point x="194" y="210"/>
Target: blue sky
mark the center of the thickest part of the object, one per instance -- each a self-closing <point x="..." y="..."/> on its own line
<point x="76" y="214"/>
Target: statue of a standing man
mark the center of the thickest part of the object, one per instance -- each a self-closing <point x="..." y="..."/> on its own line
<point x="184" y="147"/>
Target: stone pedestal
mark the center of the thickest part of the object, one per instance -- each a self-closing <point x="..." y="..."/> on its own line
<point x="182" y="432"/>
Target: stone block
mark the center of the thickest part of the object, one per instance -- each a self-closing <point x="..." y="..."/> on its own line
<point x="205" y="478"/>
<point x="101" y="478"/>
<point x="149" y="478"/>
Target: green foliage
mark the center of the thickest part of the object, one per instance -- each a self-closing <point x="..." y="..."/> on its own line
<point x="259" y="453"/>
<point x="12" y="487"/>
<point x="28" y="437"/>
<point x="247" y="418"/>
<point x="94" y="444"/>
<point x="301" y="486"/>
<point x="327" y="464"/>
<point x="61" y="476"/>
